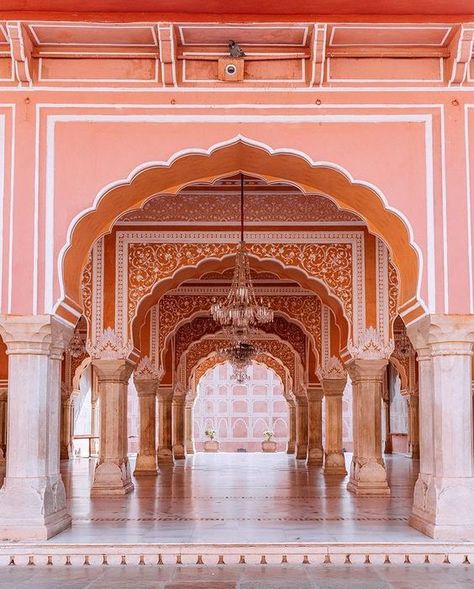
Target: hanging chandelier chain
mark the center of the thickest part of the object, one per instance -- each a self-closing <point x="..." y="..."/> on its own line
<point x="241" y="311"/>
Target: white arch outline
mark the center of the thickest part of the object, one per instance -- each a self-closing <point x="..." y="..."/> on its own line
<point x="270" y="151"/>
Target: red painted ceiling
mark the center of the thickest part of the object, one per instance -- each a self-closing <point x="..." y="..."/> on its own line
<point x="264" y="8"/>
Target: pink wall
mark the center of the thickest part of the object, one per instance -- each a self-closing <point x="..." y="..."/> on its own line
<point x="82" y="149"/>
<point x="240" y="413"/>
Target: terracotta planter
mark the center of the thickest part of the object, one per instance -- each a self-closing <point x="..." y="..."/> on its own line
<point x="269" y="446"/>
<point x="211" y="446"/>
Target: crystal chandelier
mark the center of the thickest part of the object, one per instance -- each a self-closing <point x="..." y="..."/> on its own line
<point x="240" y="355"/>
<point x="241" y="313"/>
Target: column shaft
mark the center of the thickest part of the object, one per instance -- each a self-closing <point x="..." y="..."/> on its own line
<point x="301" y="428"/>
<point x="66" y="428"/>
<point x="188" y="427"/>
<point x="368" y="475"/>
<point x="146" y="459"/>
<point x="334" y="462"/>
<point x="315" y="426"/>
<point x="112" y="473"/>
<point x="165" y="421"/>
<point x="178" y="427"/>
<point x="414" y="428"/>
<point x="291" y="427"/>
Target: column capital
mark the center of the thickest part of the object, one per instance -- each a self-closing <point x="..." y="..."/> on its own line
<point x="118" y="370"/>
<point x="361" y="369"/>
<point x="315" y="392"/>
<point x="34" y="334"/>
<point x="164" y="392"/>
<point x="145" y="387"/>
<point x="436" y="330"/>
<point x="334" y="387"/>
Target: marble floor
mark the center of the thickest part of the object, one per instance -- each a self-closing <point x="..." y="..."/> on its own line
<point x="238" y="577"/>
<point x="240" y="498"/>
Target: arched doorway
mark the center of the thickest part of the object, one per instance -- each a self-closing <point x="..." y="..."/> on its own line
<point x="240" y="413"/>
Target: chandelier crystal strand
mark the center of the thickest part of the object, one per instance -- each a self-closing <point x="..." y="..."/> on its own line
<point x="241" y="313"/>
<point x="240" y="355"/>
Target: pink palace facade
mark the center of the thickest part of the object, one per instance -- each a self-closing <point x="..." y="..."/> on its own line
<point x="121" y="133"/>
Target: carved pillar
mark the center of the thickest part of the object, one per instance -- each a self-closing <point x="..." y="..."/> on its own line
<point x="146" y="464"/>
<point x="315" y="425"/>
<point x="444" y="491"/>
<point x="188" y="426"/>
<point x="368" y="475"/>
<point x="165" y="416"/>
<point x="95" y="420"/>
<point x="414" y="436"/>
<point x="178" y="407"/>
<point x="334" y="462"/>
<point x="388" y="448"/>
<point x="291" y="427"/>
<point x="112" y="473"/>
<point x="67" y="426"/>
<point x="3" y="428"/>
<point x="146" y="379"/>
<point x="301" y="428"/>
<point x="33" y="499"/>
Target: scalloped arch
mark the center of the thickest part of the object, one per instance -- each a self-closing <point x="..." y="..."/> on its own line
<point x="241" y="154"/>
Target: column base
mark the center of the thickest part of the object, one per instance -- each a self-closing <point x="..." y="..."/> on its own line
<point x="368" y="478"/>
<point x="415" y="451"/>
<point x="315" y="457"/>
<point x="165" y="456"/>
<point x="189" y="448"/>
<point x="145" y="465"/>
<point x="111" y="479"/>
<point x="301" y="451"/>
<point x="35" y="500"/>
<point x="442" y="508"/>
<point x="178" y="452"/>
<point x="66" y="453"/>
<point x="334" y="463"/>
<point x="290" y="449"/>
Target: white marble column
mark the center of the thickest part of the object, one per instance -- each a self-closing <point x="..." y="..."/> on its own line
<point x="112" y="473"/>
<point x="334" y="462"/>
<point x="178" y="408"/>
<point x="146" y="464"/>
<point x="291" y="448"/>
<point x="33" y="499"/>
<point x="444" y="491"/>
<point x="301" y="428"/>
<point x="189" y="426"/>
<point x="368" y="475"/>
<point x="315" y="425"/>
<point x="165" y="422"/>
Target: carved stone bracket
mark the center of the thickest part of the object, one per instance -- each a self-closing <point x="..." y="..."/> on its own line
<point x="146" y="370"/>
<point x="333" y="369"/>
<point x="109" y="346"/>
<point x="370" y="346"/>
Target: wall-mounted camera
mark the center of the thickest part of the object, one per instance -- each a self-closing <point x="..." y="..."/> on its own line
<point x="231" y="69"/>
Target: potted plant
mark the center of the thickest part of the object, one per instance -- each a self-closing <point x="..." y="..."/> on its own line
<point x="211" y="445"/>
<point x="268" y="445"/>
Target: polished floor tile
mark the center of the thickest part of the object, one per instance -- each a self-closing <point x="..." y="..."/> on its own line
<point x="240" y="498"/>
